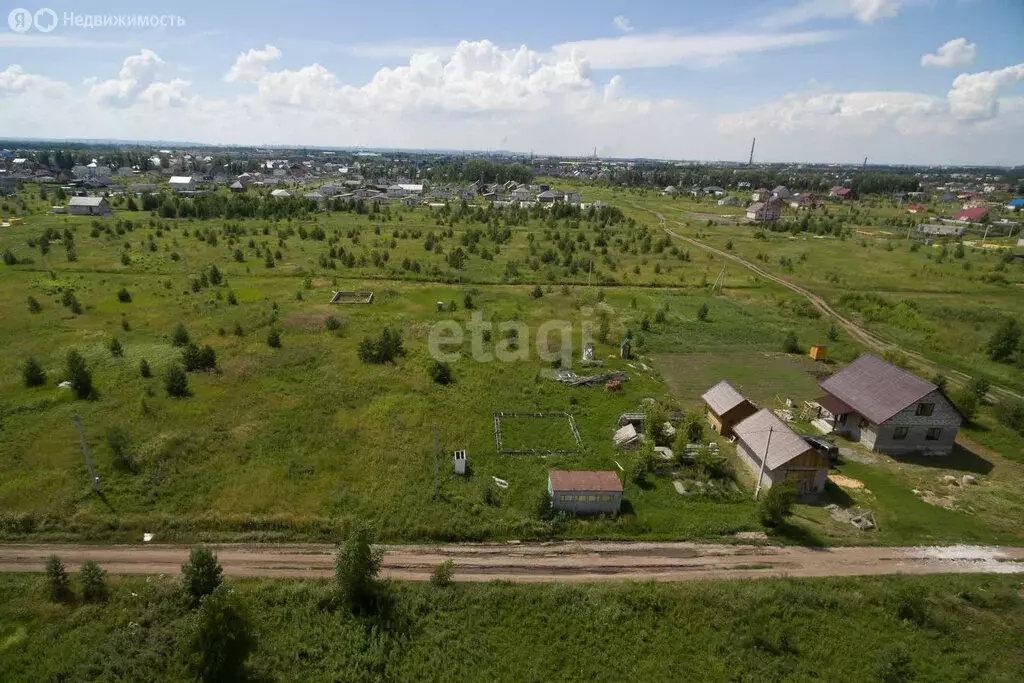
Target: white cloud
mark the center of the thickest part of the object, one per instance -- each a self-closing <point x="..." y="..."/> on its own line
<point x="137" y="73"/>
<point x="15" y="81"/>
<point x="251" y="65"/>
<point x="659" y="50"/>
<point x="864" y="11"/>
<point x="623" y="24"/>
<point x="956" y="52"/>
<point x="382" y="51"/>
<point x="975" y="96"/>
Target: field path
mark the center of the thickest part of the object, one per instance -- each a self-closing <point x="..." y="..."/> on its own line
<point x="567" y="561"/>
<point x="867" y="338"/>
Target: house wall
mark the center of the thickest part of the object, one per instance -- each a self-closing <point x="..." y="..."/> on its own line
<point x="723" y="424"/>
<point x="587" y="502"/>
<point x="944" y="416"/>
<point x="809" y="471"/>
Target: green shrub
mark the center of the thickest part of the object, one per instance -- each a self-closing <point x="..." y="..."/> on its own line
<point x="966" y="401"/>
<point x="33" y="374"/>
<point x="196" y="358"/>
<point x="702" y="312"/>
<point x="94" y="582"/>
<point x="790" y="344"/>
<point x="777" y="504"/>
<point x="356" y="568"/>
<point x="332" y="323"/>
<point x="1010" y="412"/>
<point x="980" y="387"/>
<point x="387" y="348"/>
<point x="232" y="298"/>
<point x="893" y="665"/>
<point x="440" y="372"/>
<point x="116" y="350"/>
<point x="537" y="292"/>
<point x="179" y="337"/>
<point x="274" y="339"/>
<point x="443" y="574"/>
<point x="201" y="575"/>
<point x="144" y="369"/>
<point x="124" y="296"/>
<point x="33" y="305"/>
<point x="1004" y="341"/>
<point x="176" y="382"/>
<point x="79" y="376"/>
<point x="57" y="580"/>
<point x="220" y="641"/>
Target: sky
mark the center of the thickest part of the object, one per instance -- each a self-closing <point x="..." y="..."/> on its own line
<point x="897" y="81"/>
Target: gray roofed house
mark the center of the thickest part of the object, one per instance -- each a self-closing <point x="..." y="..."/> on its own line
<point x="726" y="407"/>
<point x="550" y="196"/>
<point x="785" y="455"/>
<point x="888" y="409"/>
<point x="88" y="206"/>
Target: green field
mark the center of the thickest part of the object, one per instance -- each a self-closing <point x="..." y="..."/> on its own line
<point x="942" y="628"/>
<point x="303" y="440"/>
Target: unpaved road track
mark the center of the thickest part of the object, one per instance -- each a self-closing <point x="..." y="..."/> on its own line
<point x="571" y="562"/>
<point x="867" y="338"/>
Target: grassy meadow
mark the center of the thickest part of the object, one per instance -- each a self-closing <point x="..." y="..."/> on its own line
<point x="939" y="628"/>
<point x="301" y="440"/>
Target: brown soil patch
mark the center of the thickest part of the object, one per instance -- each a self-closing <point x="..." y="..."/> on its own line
<point x="845" y="482"/>
<point x="305" y="321"/>
<point x="947" y="502"/>
<point x="751" y="535"/>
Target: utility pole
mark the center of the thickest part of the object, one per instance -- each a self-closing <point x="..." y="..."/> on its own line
<point x="764" y="459"/>
<point x="88" y="457"/>
<point x="435" y="460"/>
<point x="750" y="162"/>
<point x="590" y="273"/>
<point x="984" y="237"/>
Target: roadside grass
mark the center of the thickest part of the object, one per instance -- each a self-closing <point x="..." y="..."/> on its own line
<point x="950" y="628"/>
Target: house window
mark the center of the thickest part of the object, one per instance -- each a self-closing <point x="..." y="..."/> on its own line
<point x="899" y="433"/>
<point x="925" y="409"/>
<point x="841" y="420"/>
<point x="933" y="434"/>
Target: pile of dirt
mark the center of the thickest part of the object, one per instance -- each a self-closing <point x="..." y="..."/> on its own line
<point x="845" y="482"/>
<point x="946" y="502"/>
<point x="858" y="517"/>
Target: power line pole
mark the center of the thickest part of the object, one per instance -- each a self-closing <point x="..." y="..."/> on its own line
<point x="764" y="459"/>
<point x="88" y="457"/>
<point x="435" y="460"/>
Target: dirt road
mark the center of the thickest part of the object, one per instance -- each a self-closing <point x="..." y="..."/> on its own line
<point x="864" y="336"/>
<point x="573" y="562"/>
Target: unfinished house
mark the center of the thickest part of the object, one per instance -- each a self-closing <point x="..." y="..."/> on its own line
<point x="775" y="453"/>
<point x="726" y="407"/>
<point x="585" y="492"/>
<point x="888" y="409"/>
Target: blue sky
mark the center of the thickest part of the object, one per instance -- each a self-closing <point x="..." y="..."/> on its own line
<point x="815" y="80"/>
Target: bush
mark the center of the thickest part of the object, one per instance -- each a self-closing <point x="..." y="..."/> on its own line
<point x="980" y="387"/>
<point x="116" y="350"/>
<point x="777" y="504"/>
<point x="356" y="568"/>
<point x="790" y="343"/>
<point x="1010" y="412"/>
<point x="645" y="324"/>
<point x="537" y="292"/>
<point x="144" y="369"/>
<point x="179" y="337"/>
<point x="893" y="665"/>
<point x="966" y="401"/>
<point x="221" y="640"/>
<point x="440" y="372"/>
<point x="332" y="323"/>
<point x="120" y="445"/>
<point x="79" y="376"/>
<point x="176" y="382"/>
<point x="94" y="582"/>
<point x="1004" y="341"/>
<point x="702" y="312"/>
<point x="201" y="575"/>
<point x="467" y="302"/>
<point x="124" y="296"/>
<point x="490" y="493"/>
<point x="232" y="299"/>
<point x="274" y="339"/>
<point x="196" y="358"/>
<point x="443" y="574"/>
<point x="239" y="332"/>
<point x="542" y="505"/>
<point x="33" y="374"/>
<point x="659" y="317"/>
<point x="385" y="349"/>
<point x="57" y="580"/>
<point x="33" y="305"/>
<point x="832" y="333"/>
<point x="940" y="381"/>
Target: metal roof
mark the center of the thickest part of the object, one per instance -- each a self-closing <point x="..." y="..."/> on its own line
<point x="785" y="443"/>
<point x="85" y="201"/>
<point x="584" y="480"/>
<point x="876" y="389"/>
<point x="722" y="398"/>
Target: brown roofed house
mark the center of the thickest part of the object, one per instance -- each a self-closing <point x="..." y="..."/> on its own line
<point x="889" y="410"/>
<point x="785" y="454"/>
<point x="585" y="492"/>
<point x="726" y="407"/>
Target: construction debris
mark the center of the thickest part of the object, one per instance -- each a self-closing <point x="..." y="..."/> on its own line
<point x="680" y="488"/>
<point x="635" y="419"/>
<point x="614" y="385"/>
<point x="500" y="483"/>
<point x="626" y="438"/>
<point x="969" y="480"/>
<point x="858" y="517"/>
<point x="664" y="452"/>
<point x="572" y="379"/>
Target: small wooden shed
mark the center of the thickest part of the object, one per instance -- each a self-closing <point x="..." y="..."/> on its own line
<point x="726" y="407"/>
<point x="819" y="352"/>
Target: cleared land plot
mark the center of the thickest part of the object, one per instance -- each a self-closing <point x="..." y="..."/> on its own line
<point x="767" y="379"/>
<point x="536" y="433"/>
